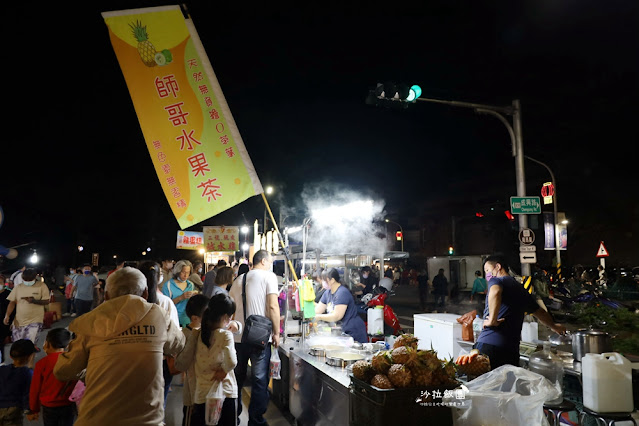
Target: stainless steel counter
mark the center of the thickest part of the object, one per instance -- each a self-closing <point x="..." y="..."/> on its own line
<point x="318" y="392"/>
<point x="340" y="375"/>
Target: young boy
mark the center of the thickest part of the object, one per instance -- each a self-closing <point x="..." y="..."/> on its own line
<point x="46" y="390"/>
<point x="194" y="309"/>
<point x="16" y="379"/>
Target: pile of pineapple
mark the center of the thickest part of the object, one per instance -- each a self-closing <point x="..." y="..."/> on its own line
<point x="473" y="364"/>
<point x="405" y="366"/>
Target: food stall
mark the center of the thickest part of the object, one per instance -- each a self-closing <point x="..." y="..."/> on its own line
<point x="317" y="384"/>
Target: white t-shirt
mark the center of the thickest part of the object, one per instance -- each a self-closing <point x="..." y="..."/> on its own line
<point x="259" y="283"/>
<point x="167" y="304"/>
<point x="29" y="313"/>
<point x="16" y="278"/>
<point x="387" y="283"/>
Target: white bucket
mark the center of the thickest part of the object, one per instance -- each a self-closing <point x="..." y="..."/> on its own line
<point x="607" y="383"/>
<point x="375" y="317"/>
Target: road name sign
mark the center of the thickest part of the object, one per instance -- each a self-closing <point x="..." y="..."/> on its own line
<point x="527" y="249"/>
<point x="525" y="205"/>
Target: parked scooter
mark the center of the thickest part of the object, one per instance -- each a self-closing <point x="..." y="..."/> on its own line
<point x="378" y="298"/>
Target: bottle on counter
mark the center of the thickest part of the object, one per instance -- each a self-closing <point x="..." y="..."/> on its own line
<point x="478" y="326"/>
<point x="549" y="365"/>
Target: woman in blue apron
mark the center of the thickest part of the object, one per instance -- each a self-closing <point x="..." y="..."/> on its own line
<point x="337" y="304"/>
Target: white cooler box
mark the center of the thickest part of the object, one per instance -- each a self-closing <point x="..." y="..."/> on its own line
<point x="442" y="331"/>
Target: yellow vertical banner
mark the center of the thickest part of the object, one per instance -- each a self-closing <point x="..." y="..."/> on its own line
<point x="196" y="148"/>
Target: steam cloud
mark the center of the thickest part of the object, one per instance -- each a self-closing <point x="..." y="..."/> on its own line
<point x="344" y="221"/>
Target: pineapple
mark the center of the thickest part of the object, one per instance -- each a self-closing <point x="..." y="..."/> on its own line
<point x="145" y="47"/>
<point x="399" y="375"/>
<point x="406" y="339"/>
<point x="473" y="365"/>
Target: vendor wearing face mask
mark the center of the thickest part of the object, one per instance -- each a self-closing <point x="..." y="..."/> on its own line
<point x="337" y="304"/>
<point x="180" y="289"/>
<point x="506" y="304"/>
<point x="28" y="300"/>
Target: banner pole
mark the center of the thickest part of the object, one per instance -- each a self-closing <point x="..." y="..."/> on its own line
<point x="288" y="259"/>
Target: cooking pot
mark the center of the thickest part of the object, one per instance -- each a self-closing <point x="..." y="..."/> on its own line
<point x="322" y="350"/>
<point x="562" y="342"/>
<point x="343" y="359"/>
<point x="590" y="341"/>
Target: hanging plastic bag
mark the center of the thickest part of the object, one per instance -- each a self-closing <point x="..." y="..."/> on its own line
<point x="505" y="396"/>
<point x="214" y="402"/>
<point x="77" y="393"/>
<point x="276" y="364"/>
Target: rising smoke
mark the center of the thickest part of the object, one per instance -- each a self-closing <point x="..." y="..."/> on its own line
<point x="344" y="221"/>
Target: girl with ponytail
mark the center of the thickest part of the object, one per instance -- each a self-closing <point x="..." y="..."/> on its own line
<point x="215" y="359"/>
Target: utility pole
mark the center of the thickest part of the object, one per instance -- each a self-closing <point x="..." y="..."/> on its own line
<point x="554" y="208"/>
<point x="514" y="130"/>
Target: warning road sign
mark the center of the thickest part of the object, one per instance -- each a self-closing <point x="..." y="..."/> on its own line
<point x="602" y="252"/>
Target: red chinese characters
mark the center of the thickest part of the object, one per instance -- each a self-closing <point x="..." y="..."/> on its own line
<point x="176" y="115"/>
<point x="199" y="164"/>
<point x="210" y="191"/>
<point x="167" y="86"/>
<point x="188" y="140"/>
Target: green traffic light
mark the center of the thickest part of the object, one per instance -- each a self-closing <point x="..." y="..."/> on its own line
<point x="414" y="93"/>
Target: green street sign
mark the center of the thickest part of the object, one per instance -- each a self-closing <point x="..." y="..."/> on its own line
<point x="525" y="205"/>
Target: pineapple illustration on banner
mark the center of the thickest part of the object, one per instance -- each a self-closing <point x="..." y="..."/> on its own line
<point x="147" y="51"/>
<point x="195" y="146"/>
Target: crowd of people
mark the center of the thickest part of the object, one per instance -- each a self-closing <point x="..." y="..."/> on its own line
<point x="116" y="360"/>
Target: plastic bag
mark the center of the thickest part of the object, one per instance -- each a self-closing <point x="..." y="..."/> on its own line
<point x="77" y="393"/>
<point x="276" y="364"/>
<point x="214" y="402"/>
<point x="466" y="321"/>
<point x="507" y="395"/>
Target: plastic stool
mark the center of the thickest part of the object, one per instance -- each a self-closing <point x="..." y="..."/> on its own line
<point x="607" y="419"/>
<point x="554" y="412"/>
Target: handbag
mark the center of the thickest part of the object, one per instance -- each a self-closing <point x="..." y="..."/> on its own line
<point x="257" y="328"/>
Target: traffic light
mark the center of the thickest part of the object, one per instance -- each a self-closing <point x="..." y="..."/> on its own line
<point x="393" y="95"/>
<point x="451" y="250"/>
<point x="509" y="215"/>
<point x="398" y="235"/>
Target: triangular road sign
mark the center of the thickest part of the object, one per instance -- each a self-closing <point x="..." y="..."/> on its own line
<point x="602" y="252"/>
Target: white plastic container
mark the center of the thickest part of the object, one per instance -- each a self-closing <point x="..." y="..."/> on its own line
<point x="607" y="383"/>
<point x="375" y="324"/>
<point x="529" y="332"/>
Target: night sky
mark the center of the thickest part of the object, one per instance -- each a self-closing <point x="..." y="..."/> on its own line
<point x="76" y="168"/>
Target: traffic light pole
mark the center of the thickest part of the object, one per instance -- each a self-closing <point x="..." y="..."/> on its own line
<point x="514" y="130"/>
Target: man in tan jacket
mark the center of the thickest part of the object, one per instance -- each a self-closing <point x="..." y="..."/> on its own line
<point x="121" y="344"/>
